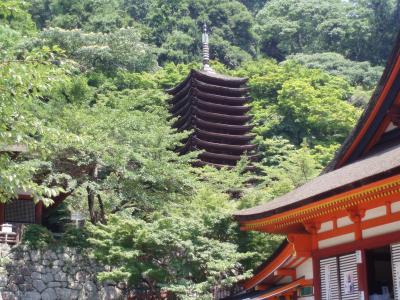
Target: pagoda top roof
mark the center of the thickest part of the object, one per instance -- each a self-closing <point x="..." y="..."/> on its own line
<point x="211" y="78"/>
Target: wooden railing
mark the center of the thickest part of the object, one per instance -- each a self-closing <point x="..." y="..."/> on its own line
<point x="11" y="234"/>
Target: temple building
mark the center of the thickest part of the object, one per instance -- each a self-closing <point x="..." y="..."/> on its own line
<point x="214" y="107"/>
<point x="343" y="227"/>
<point x="22" y="210"/>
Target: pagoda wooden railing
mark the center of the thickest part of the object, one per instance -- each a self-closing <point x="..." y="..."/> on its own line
<point x="11" y="237"/>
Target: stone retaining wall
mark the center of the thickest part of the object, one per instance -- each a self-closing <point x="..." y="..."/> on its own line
<point x="51" y="274"/>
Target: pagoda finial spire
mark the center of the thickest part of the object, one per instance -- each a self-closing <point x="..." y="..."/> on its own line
<point x="206" y="50"/>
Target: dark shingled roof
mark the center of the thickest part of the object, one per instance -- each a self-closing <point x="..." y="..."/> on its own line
<point x="209" y="77"/>
<point x="360" y="172"/>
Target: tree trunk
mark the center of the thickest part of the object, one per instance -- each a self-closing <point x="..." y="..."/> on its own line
<point x="102" y="213"/>
<point x="91" y="194"/>
<point x="90" y="197"/>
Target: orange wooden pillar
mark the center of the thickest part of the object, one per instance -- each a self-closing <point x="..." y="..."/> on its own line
<point x="316" y="278"/>
<point x="362" y="274"/>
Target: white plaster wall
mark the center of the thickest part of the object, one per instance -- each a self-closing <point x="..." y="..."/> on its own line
<point x="305" y="269"/>
<point x="379" y="230"/>
<point x="286" y="279"/>
<point x="306" y="298"/>
<point x="337" y="240"/>
<point x="326" y="226"/>
<point x="375" y="213"/>
<point x="396" y="206"/>
<point x="341" y="222"/>
<point x="390" y="127"/>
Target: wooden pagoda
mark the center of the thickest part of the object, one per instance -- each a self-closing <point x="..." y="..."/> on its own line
<point x="214" y="107"/>
<point x="343" y="227"/>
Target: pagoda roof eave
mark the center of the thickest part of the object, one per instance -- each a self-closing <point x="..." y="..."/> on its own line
<point x="179" y="110"/>
<point x="210" y="145"/>
<point x="220" y="107"/>
<point x="183" y="119"/>
<point x="207" y="154"/>
<point x="220" y="90"/>
<point x="242" y="138"/>
<point x="228" y="127"/>
<point x="230" y="100"/>
<point x="208" y="77"/>
<point x="222" y="118"/>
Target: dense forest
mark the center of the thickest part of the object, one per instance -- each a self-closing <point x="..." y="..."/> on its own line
<point x="82" y="87"/>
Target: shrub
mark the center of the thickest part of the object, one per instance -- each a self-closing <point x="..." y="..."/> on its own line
<point x="75" y="237"/>
<point x="37" y="237"/>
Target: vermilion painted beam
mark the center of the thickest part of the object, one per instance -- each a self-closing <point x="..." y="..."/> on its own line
<point x="390" y="218"/>
<point x="286" y="272"/>
<point x="285" y="289"/>
<point x="370" y="243"/>
<point x="309" y="211"/>
<point x="286" y="253"/>
<point x="368" y="122"/>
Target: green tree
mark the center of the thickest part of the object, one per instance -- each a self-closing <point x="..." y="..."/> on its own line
<point x="357" y="73"/>
<point x="107" y="52"/>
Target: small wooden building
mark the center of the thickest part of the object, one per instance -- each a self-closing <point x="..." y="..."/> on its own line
<point x="22" y="209"/>
<point x="19" y="211"/>
<point x="343" y="227"/>
<point x="214" y="107"/>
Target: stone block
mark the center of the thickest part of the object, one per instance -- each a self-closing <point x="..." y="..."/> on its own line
<point x="31" y="296"/>
<point x="47" y="277"/>
<point x="36" y="275"/>
<point x="111" y="293"/>
<point x="63" y="293"/>
<point x="26" y="287"/>
<point x="58" y="263"/>
<point x="81" y="276"/>
<point x="60" y="276"/>
<point x="8" y="296"/>
<point x="49" y="294"/>
<point x="54" y="284"/>
<point x="25" y="271"/>
<point x="39" y="285"/>
<point x="35" y="255"/>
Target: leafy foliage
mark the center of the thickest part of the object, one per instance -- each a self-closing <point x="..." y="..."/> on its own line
<point x="37" y="237"/>
<point x="357" y="73"/>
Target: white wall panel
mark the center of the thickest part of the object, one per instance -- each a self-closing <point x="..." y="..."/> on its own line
<point x="338" y="240"/>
